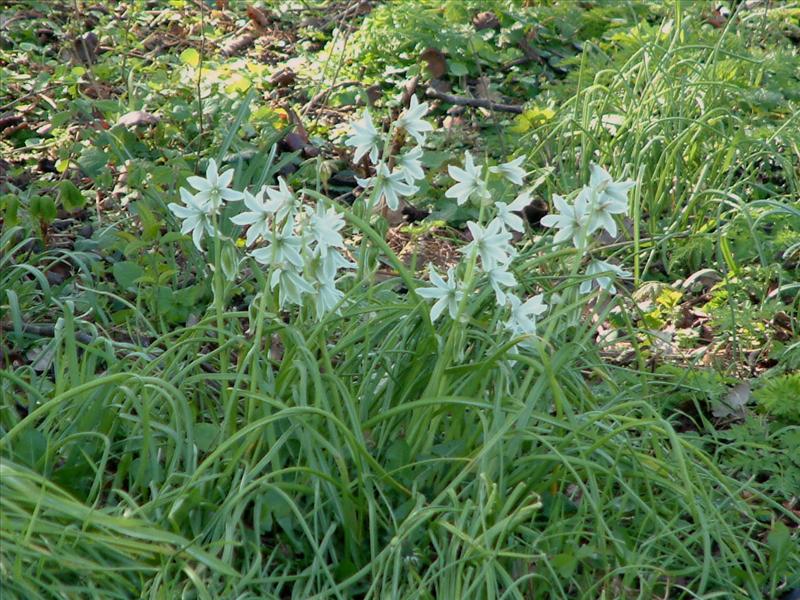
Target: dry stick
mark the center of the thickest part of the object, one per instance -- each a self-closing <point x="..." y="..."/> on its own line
<point x="474" y="102"/>
<point x="323" y="95"/>
<point x="48" y="330"/>
<point x="502" y="135"/>
<point x="327" y="61"/>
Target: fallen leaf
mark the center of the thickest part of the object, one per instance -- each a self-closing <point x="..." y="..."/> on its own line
<point x="238" y="44"/>
<point x="138" y="118"/>
<point x="258" y="17"/>
<point x="701" y="280"/>
<point x="485" y="20"/>
<point x="283" y="78"/>
<point x="734" y="403"/>
<point x="85" y="48"/>
<point x="436" y="62"/>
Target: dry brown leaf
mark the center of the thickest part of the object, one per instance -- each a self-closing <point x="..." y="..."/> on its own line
<point x="258" y="17"/>
<point x="138" y="118"/>
<point x="238" y="44"/>
<point x="485" y="20"/>
<point x="436" y="62"/>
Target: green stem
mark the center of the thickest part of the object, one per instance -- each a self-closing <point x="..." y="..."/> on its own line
<point x="219" y="307"/>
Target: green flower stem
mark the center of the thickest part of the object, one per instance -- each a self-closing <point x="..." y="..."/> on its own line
<point x="218" y="286"/>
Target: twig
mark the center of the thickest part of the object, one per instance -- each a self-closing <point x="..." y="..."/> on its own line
<point x="323" y="95"/>
<point x="49" y="330"/>
<point x="474" y="102"/>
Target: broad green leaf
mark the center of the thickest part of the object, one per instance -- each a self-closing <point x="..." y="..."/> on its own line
<point x="126" y="273"/>
<point x="190" y="57"/>
<point x="71" y="196"/>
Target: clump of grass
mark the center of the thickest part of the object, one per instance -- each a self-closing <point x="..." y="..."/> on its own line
<point x="329" y="473"/>
<point x="700" y="116"/>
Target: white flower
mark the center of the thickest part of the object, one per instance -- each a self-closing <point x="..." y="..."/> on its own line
<point x="409" y="163"/>
<point x="291" y="286"/>
<point x="570" y="220"/>
<point x="213" y="188"/>
<point x="390" y="186"/>
<point x="282" y="201"/>
<point x="282" y="247"/>
<point x="608" y="197"/>
<point x="470" y="181"/>
<point x="258" y="217"/>
<point x="604" y="282"/>
<point x="511" y="170"/>
<point x="499" y="278"/>
<point x="523" y="314"/>
<point x="333" y="261"/>
<point x="323" y="229"/>
<point x="326" y="297"/>
<point x="507" y="212"/>
<point x="195" y="217"/>
<point x="491" y="243"/>
<point x="446" y="293"/>
<point x="365" y="139"/>
<point x="411" y="120"/>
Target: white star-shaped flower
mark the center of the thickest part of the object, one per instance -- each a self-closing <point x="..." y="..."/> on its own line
<point x="282" y="247"/>
<point x="606" y="281"/>
<point x="507" y="212"/>
<point x="195" y="216"/>
<point x="470" y="181"/>
<point x="323" y="228"/>
<point x="326" y="297"/>
<point x="259" y="217"/>
<point x="500" y="278"/>
<point x="365" y="139"/>
<point x="291" y="285"/>
<point x="446" y="293"/>
<point x="213" y="189"/>
<point x="389" y="185"/>
<point x="409" y="163"/>
<point x="511" y="170"/>
<point x="522" y="320"/>
<point x="282" y="202"/>
<point x="491" y="243"/>
<point x="411" y="120"/>
<point x="570" y="219"/>
<point x="608" y="197"/>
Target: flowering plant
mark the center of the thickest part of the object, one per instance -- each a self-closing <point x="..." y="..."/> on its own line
<point x="300" y="241"/>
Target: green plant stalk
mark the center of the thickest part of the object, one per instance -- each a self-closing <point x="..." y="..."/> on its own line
<point x="218" y="284"/>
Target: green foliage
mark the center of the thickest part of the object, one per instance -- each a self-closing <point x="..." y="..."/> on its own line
<point x="152" y="444"/>
<point x="780" y="397"/>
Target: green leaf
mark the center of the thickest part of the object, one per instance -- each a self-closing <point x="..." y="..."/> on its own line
<point x="780" y="544"/>
<point x="126" y="273"/>
<point x="457" y="69"/>
<point x="150" y="225"/>
<point x="71" y="196"/>
<point x="205" y="436"/>
<point x="43" y="208"/>
<point x="30" y="446"/>
<point x="9" y="205"/>
<point x="190" y="57"/>
<point x="92" y="161"/>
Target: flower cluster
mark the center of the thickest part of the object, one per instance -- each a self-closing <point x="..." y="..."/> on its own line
<point x="202" y="209"/>
<point x="301" y="245"/>
<point x="491" y="250"/>
<point x="390" y="184"/>
<point x="593" y="209"/>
